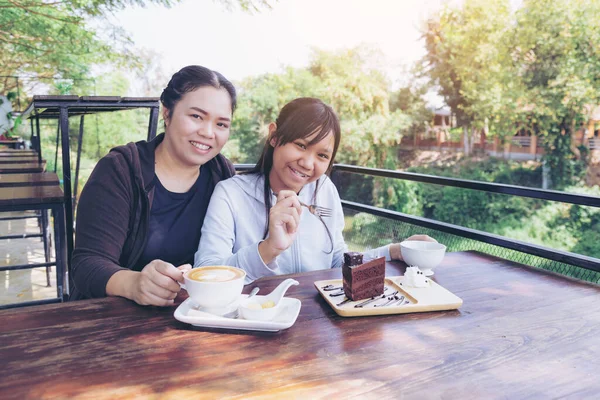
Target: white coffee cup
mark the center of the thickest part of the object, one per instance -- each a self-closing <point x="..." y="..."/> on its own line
<point x="423" y="254"/>
<point x="216" y="289"/>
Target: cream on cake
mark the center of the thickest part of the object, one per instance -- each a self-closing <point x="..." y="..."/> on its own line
<point x="414" y="277"/>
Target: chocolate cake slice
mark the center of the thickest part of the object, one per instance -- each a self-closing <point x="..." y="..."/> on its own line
<point x="364" y="280"/>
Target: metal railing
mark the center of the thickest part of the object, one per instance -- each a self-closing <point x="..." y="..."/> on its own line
<point x="560" y="256"/>
<point x="578" y="260"/>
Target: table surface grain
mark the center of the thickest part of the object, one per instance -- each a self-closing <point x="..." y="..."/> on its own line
<point x="520" y="333"/>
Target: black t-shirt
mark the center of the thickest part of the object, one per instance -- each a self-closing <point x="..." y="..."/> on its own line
<point x="176" y="222"/>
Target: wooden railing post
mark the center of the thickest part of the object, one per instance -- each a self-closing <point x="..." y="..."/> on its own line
<point x="533" y="145"/>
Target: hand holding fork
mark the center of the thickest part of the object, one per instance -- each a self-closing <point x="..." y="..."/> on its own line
<point x="284" y="218"/>
<point x="314" y="209"/>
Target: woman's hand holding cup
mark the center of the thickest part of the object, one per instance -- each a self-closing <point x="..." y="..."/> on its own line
<point x="157" y="284"/>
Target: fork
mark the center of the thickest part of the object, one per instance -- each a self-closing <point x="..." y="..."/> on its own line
<point x="319" y="211"/>
<point x="314" y="209"/>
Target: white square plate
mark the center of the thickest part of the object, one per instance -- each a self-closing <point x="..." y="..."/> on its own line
<point x="290" y="308"/>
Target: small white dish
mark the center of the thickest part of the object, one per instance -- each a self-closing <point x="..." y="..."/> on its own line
<point x="252" y="309"/>
<point x="217" y="311"/>
<point x="289" y="310"/>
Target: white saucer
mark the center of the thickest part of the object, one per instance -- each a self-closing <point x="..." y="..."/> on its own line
<point x="290" y="308"/>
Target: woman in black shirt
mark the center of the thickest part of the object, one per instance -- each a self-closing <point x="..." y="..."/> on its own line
<point x="141" y="212"/>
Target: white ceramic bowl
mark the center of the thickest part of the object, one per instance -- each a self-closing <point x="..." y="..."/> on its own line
<point x="252" y="309"/>
<point x="425" y="255"/>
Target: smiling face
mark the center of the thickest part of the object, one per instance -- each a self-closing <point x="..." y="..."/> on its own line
<point x="198" y="126"/>
<point x="300" y="162"/>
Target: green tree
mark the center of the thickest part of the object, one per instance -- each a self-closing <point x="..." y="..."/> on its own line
<point x="468" y="58"/>
<point x="537" y="68"/>
<point x="410" y="100"/>
<point x="60" y="39"/>
<point x="347" y="80"/>
<point x="55" y="39"/>
<point x="557" y="50"/>
<point x="359" y="91"/>
<point x="354" y="87"/>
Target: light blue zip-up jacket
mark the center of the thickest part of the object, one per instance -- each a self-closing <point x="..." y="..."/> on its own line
<point x="235" y="223"/>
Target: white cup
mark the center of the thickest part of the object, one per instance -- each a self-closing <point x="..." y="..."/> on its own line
<point x="216" y="289"/>
<point x="423" y="254"/>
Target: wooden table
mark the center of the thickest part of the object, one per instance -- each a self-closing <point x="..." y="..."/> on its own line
<point x="34" y="179"/>
<point x="521" y="333"/>
<point x="40" y="197"/>
<point x="23" y="168"/>
<point x="17" y="152"/>
<point x="26" y="195"/>
<point x="28" y="159"/>
<point x="13" y="143"/>
<point x="38" y="179"/>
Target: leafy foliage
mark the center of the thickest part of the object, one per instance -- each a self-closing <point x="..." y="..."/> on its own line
<point x="345" y="79"/>
<point x="55" y="39"/>
<point x="537" y="68"/>
<point x="468" y="59"/>
<point x="558" y="54"/>
<point x="62" y="39"/>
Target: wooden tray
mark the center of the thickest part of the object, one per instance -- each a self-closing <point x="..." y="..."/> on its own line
<point x="432" y="298"/>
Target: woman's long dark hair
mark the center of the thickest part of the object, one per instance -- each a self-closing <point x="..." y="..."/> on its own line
<point x="298" y="119"/>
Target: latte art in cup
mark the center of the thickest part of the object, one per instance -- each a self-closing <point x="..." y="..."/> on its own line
<point x="215" y="288"/>
<point x="216" y="274"/>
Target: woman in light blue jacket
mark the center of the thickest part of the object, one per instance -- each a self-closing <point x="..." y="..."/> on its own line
<point x="255" y="221"/>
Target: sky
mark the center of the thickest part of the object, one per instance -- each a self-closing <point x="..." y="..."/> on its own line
<point x="239" y="44"/>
